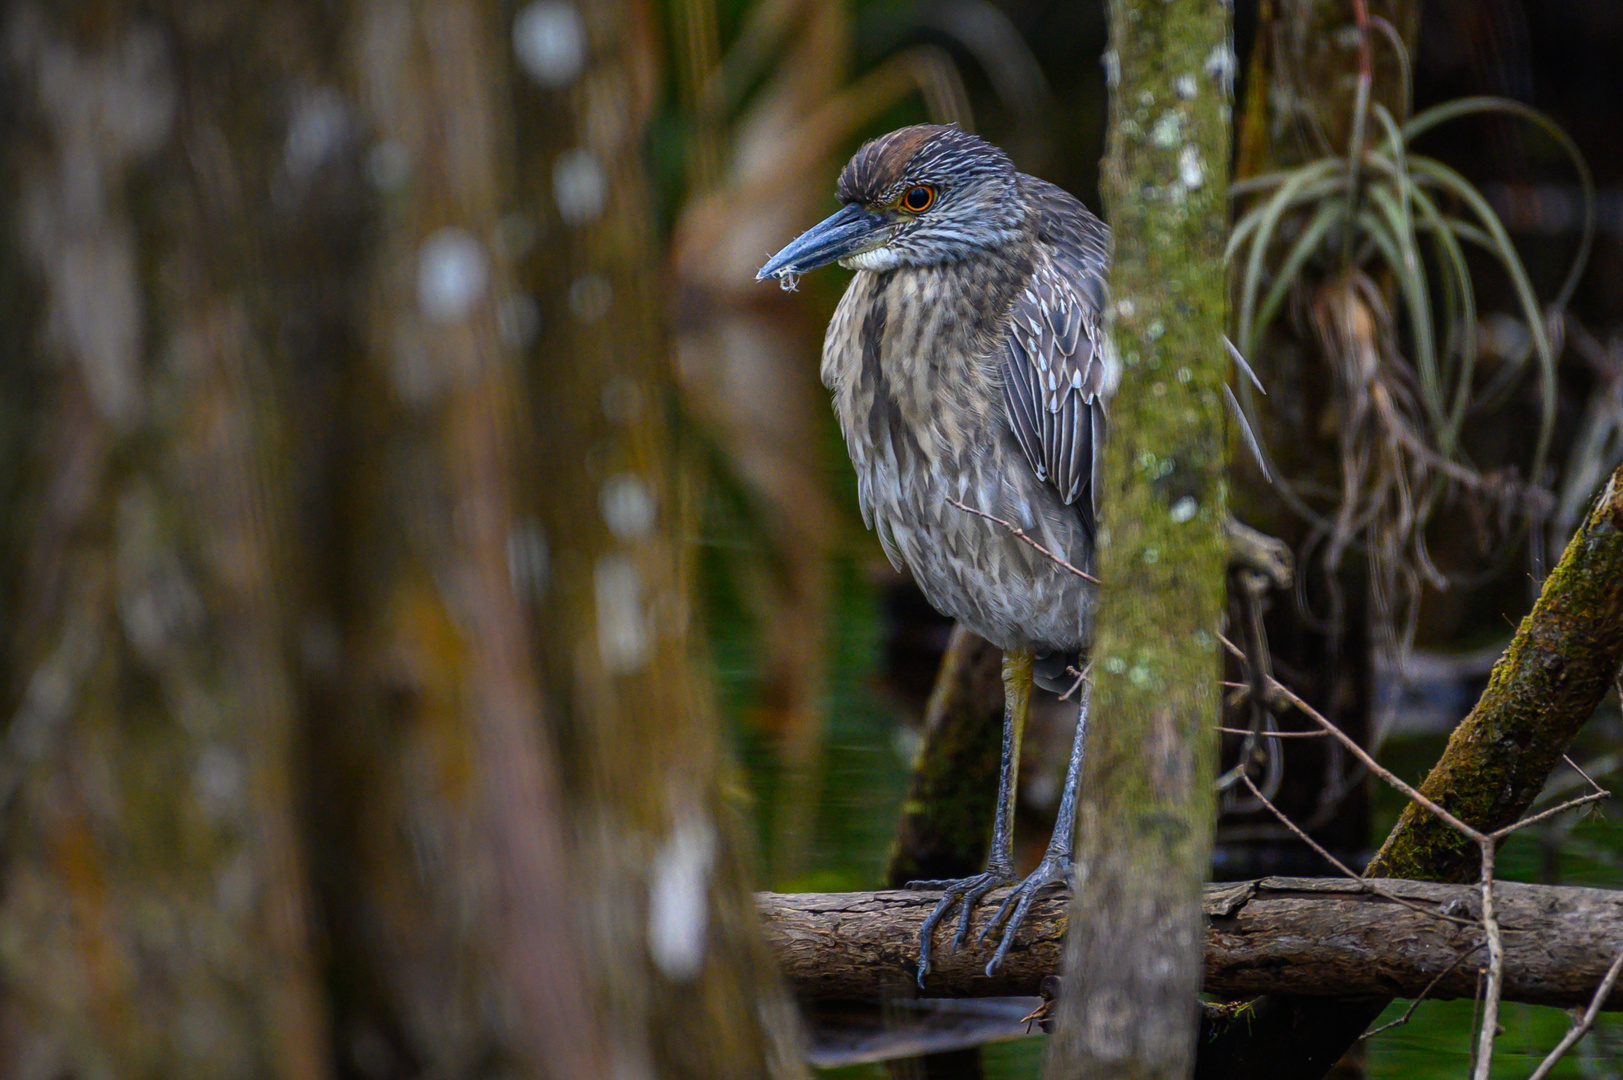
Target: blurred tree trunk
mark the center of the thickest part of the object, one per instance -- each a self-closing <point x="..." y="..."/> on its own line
<point x="154" y="917"/>
<point x="744" y="374"/>
<point x="277" y="461"/>
<point x="1133" y="957"/>
<point x="683" y="978"/>
<point x="450" y="874"/>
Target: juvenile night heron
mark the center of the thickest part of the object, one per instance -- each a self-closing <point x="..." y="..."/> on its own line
<point x="968" y="366"/>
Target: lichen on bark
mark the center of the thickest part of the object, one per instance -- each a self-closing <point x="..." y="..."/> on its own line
<point x="1133" y="959"/>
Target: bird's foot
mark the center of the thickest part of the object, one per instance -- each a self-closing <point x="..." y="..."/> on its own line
<point x="1053" y="873"/>
<point x="966" y="891"/>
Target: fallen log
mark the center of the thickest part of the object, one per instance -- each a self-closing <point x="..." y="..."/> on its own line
<point x="1315" y="937"/>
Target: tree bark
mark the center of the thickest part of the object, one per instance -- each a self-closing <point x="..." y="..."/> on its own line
<point x="1310" y="937"/>
<point x="1564" y="658"/>
<point x="1147" y="806"/>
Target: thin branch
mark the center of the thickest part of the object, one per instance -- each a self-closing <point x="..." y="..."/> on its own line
<point x="1368" y="886"/>
<point x="1476" y="1010"/>
<point x="1360" y="753"/>
<point x="1275" y="734"/>
<point x="1582" y="1024"/>
<point x="1415" y="1004"/>
<point x="1081" y="677"/>
<point x="1577" y="769"/>
<point x="1306" y="839"/>
<point x="1570" y="804"/>
<point x="1020" y="534"/>
<point x="1374" y="766"/>
<point x="1604" y="765"/>
<point x="1496" y="967"/>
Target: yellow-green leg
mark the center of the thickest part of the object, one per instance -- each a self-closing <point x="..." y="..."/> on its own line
<point x="1000" y="862"/>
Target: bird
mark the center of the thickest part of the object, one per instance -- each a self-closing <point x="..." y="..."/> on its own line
<point x="970" y="371"/>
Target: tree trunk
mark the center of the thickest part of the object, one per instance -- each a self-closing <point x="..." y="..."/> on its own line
<point x="1320" y="937"/>
<point x="684" y="981"/>
<point x="154" y="891"/>
<point x="1147" y="806"/>
<point x="285" y="460"/>
<point x="1564" y="658"/>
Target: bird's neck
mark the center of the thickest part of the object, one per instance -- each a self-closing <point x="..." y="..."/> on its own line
<point x="933" y="340"/>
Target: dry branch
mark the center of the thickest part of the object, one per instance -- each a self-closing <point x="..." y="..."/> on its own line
<point x="1311" y="937"/>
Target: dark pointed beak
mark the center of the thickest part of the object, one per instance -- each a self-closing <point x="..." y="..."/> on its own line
<point x="854" y="229"/>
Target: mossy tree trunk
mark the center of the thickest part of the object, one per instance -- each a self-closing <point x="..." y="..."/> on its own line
<point x="946" y="820"/>
<point x="154" y="913"/>
<point x="1566" y="655"/>
<point x="1133" y="960"/>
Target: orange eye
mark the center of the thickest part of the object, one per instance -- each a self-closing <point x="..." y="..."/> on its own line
<point x="918" y="199"/>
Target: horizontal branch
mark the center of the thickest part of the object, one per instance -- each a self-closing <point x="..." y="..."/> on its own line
<point x="1316" y="937"/>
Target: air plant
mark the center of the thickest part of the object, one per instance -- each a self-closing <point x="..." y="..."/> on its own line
<point x="1369" y="248"/>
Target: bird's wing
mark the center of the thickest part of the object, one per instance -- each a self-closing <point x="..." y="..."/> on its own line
<point x="1055" y="380"/>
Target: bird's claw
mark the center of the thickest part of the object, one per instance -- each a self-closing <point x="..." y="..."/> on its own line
<point x="966" y="891"/>
<point x="1054" y="872"/>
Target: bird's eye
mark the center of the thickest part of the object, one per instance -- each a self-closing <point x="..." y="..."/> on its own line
<point x="918" y="199"/>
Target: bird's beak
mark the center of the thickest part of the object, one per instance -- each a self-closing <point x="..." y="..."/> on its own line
<point x="851" y="231"/>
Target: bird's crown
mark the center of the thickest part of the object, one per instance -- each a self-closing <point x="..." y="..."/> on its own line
<point x="919" y="152"/>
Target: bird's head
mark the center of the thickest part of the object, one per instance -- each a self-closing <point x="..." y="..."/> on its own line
<point x="919" y="196"/>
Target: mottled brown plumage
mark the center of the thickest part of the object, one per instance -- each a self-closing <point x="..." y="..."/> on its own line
<point x="983" y="379"/>
<point x="967" y="364"/>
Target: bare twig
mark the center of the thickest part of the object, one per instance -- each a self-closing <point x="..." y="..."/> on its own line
<point x="1603" y="765"/>
<point x="1081" y="677"/>
<point x="1020" y="534"/>
<point x="1570" y="804"/>
<point x="1487" y="844"/>
<point x="1476" y="1010"/>
<point x="1308" y="840"/>
<point x="1374" y="766"/>
<point x="1415" y="1004"/>
<point x="1275" y="734"/>
<point x="1369" y="886"/>
<point x="1583" y="1023"/>
<point x="1496" y="968"/>
<point x="1577" y="769"/>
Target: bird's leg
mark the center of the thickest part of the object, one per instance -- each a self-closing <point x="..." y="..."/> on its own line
<point x="1055" y="869"/>
<point x="1000" y="863"/>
